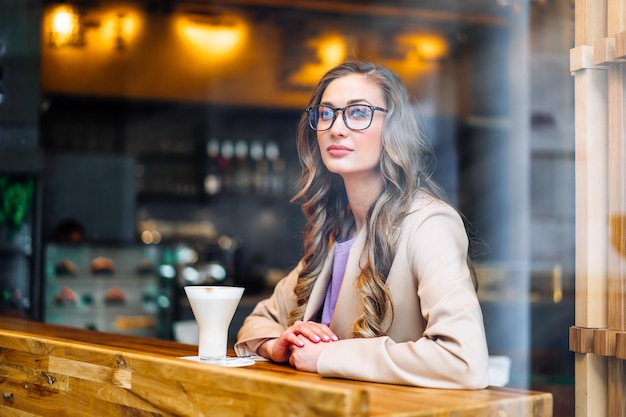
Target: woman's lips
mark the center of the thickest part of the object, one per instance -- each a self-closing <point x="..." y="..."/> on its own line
<point x="337" y="150"/>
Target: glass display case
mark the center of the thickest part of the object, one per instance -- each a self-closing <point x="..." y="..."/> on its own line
<point x="114" y="289"/>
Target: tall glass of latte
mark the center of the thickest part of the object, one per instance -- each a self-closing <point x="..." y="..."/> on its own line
<point x="214" y="308"/>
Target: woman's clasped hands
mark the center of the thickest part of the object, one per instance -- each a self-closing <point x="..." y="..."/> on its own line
<point x="300" y="345"/>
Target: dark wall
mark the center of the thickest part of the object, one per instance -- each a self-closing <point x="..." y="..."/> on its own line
<point x="20" y="251"/>
<point x="19" y="72"/>
<point x="98" y="191"/>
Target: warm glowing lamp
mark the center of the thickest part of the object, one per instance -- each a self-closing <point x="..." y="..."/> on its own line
<point x="214" y="36"/>
<point x="118" y="28"/>
<point x="330" y="50"/>
<point x="64" y="22"/>
<point x="425" y="46"/>
<point x="64" y="27"/>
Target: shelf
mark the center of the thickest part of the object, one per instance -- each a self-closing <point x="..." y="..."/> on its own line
<point x="109" y="310"/>
<point x="173" y="144"/>
<point x="138" y="320"/>
<point x="21" y="161"/>
<point x="126" y="279"/>
<point x="10" y="248"/>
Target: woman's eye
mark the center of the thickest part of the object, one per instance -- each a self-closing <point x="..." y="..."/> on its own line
<point x="326" y="114"/>
<point x="358" y="112"/>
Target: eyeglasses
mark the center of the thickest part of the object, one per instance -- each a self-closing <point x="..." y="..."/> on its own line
<point x="355" y="116"/>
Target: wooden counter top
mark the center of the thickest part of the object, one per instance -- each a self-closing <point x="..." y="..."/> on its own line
<point x="48" y="370"/>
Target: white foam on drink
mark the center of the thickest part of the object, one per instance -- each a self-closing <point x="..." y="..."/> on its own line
<point x="214" y="292"/>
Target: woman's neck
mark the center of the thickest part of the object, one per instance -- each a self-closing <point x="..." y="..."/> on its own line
<point x="362" y="193"/>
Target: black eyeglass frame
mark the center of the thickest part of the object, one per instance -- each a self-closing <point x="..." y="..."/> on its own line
<point x="343" y="115"/>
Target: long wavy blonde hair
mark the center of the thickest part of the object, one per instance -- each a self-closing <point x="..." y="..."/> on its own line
<point x="405" y="166"/>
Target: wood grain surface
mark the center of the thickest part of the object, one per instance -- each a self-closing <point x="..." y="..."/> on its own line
<point x="48" y="370"/>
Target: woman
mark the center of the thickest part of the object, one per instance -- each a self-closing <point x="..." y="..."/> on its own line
<point x="383" y="292"/>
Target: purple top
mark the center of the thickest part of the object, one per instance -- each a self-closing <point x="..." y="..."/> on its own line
<point x="342" y="250"/>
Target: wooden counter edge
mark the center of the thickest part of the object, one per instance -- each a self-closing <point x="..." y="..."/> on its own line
<point x="45" y="375"/>
<point x="121" y="375"/>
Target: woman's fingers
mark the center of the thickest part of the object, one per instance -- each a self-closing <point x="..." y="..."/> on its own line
<point x="293" y="338"/>
<point x="279" y="350"/>
<point x="315" y="332"/>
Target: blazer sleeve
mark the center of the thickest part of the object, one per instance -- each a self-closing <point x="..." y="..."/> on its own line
<point x="452" y="350"/>
<point x="269" y="318"/>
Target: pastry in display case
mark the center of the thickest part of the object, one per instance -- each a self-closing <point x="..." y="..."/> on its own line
<point x="64" y="297"/>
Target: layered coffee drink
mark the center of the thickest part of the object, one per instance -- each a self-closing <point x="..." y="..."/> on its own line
<point x="213" y="308"/>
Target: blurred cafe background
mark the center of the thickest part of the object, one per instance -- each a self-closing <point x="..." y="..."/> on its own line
<point x="149" y="144"/>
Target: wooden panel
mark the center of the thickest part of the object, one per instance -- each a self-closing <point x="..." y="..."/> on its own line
<point x="581" y="57"/>
<point x="620" y="46"/>
<point x="600" y="382"/>
<point x="591" y="198"/>
<point x="617" y="198"/>
<point x="617" y="388"/>
<point x="581" y="339"/>
<point x="604" y="342"/>
<point x="591" y="131"/>
<point x="591" y="385"/>
<point x="590" y="21"/>
<point x="616" y="25"/>
<point x="620" y="345"/>
<point x="616" y="17"/>
<point x="44" y="373"/>
<point x="604" y="52"/>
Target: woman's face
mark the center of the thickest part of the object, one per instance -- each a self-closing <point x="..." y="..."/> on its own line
<point x="352" y="153"/>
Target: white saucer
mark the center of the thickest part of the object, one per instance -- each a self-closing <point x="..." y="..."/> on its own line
<point x="230" y="361"/>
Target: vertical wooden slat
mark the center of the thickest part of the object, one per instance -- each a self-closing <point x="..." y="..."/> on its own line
<point x="617" y="177"/>
<point x="616" y="17"/>
<point x="591" y="208"/>
<point x="600" y="198"/>
<point x="589" y="21"/>
<point x="591" y="370"/>
<point x="591" y="149"/>
<point x="616" y="23"/>
<point x="591" y="197"/>
<point x="616" y="387"/>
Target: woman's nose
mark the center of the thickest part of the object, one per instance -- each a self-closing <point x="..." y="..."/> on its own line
<point x="339" y="126"/>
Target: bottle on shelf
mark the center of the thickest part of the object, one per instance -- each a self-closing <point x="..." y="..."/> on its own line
<point x="225" y="164"/>
<point x="241" y="169"/>
<point x="212" y="180"/>
<point x="167" y="272"/>
<point x="277" y="168"/>
<point x="260" y="175"/>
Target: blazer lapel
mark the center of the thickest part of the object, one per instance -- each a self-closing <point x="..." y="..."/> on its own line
<point x="345" y="309"/>
<point x="316" y="300"/>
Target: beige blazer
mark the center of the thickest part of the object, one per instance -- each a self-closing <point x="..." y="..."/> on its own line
<point x="436" y="337"/>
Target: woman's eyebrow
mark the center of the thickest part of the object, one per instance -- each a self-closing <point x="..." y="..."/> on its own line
<point x="358" y="100"/>
<point x="350" y="102"/>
